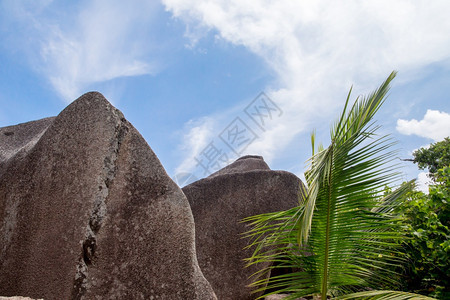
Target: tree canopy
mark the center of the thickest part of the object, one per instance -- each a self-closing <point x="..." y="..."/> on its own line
<point x="433" y="158"/>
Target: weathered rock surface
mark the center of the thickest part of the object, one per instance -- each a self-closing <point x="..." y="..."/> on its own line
<point x="88" y="212"/>
<point x="219" y="202"/>
<point x="19" y="139"/>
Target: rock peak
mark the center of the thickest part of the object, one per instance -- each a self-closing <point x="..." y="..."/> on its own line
<point x="245" y="163"/>
<point x="250" y="157"/>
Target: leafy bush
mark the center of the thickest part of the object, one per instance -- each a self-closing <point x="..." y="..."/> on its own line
<point x="426" y="223"/>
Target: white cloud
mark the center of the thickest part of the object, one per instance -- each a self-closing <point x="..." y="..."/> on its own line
<point x="319" y="49"/>
<point x="434" y="125"/>
<point x="91" y="42"/>
<point x="200" y="134"/>
<point x="423" y="181"/>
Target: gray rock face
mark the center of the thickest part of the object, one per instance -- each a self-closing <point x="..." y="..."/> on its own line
<point x="88" y="212"/>
<point x="21" y="138"/>
<point x="247" y="187"/>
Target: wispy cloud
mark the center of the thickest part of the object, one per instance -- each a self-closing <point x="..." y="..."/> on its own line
<point x="435" y="125"/>
<point x="200" y="133"/>
<point x="318" y="49"/>
<point x="93" y="41"/>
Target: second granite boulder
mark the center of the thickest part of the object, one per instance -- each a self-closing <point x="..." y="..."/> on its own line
<point x="219" y="202"/>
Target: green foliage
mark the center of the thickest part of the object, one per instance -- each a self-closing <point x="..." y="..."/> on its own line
<point x="341" y="239"/>
<point x="427" y="223"/>
<point x="436" y="157"/>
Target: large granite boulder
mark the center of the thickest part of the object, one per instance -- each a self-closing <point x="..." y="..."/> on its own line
<point x="219" y="203"/>
<point x="88" y="212"/>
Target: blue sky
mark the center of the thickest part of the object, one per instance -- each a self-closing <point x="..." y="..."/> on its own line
<point x="189" y="73"/>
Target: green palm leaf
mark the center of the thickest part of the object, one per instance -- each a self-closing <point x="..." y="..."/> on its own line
<point x="385" y="295"/>
<point x="340" y="238"/>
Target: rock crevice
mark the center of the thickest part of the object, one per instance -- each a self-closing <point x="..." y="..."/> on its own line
<point x="99" y="211"/>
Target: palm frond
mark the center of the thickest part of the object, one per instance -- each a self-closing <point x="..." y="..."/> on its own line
<point x="343" y="182"/>
<point x="340" y="237"/>
<point x="350" y="130"/>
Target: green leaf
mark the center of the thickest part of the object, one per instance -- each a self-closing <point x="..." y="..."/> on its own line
<point x="385" y="295"/>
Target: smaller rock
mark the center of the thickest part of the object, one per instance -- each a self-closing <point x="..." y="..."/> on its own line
<point x="247" y="187"/>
